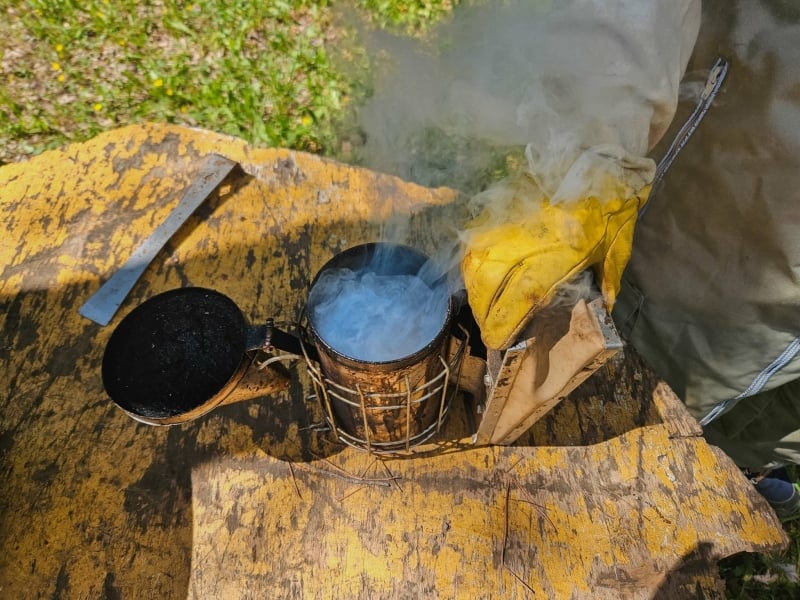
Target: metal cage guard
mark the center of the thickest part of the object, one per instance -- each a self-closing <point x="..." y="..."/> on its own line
<point x="439" y="385"/>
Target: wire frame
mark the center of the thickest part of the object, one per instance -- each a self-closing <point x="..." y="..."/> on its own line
<point x="439" y="389"/>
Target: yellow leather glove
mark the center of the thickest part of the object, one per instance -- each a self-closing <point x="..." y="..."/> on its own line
<point x="517" y="255"/>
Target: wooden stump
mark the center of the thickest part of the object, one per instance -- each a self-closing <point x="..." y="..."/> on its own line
<point x="613" y="494"/>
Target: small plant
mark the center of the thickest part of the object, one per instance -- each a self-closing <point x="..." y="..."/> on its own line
<point x="766" y="576"/>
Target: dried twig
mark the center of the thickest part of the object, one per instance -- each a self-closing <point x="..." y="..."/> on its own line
<point x="391" y="476"/>
<point x="319" y="426"/>
<point x="505" y="526"/>
<point x="528" y="499"/>
<point x="294" y="480"/>
<point x="514" y="464"/>
<point x="384" y="481"/>
<point x="346" y="496"/>
<point x="505" y="540"/>
<point x="333" y="465"/>
<point x="344" y="476"/>
<point x="369" y="466"/>
<point x="518" y="578"/>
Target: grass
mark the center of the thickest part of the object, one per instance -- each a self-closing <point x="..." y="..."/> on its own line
<point x="760" y="576"/>
<point x="262" y="70"/>
<point x="766" y="576"/>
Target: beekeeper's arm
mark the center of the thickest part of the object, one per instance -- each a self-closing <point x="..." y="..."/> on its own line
<point x="599" y="103"/>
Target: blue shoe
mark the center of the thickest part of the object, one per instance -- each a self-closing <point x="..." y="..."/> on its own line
<point x="783" y="496"/>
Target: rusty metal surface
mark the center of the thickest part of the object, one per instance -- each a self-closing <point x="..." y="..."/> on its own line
<point x="613" y="494"/>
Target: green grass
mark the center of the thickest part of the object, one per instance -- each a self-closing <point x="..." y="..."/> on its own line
<point x="763" y="576"/>
<point x="262" y="70"/>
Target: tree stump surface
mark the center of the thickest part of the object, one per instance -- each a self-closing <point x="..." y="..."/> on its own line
<point x="613" y="494"/>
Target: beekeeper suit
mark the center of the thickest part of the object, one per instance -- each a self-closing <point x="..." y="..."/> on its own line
<point x="711" y="296"/>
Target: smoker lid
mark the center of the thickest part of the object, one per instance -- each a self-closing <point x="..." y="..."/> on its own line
<point x="174" y="352"/>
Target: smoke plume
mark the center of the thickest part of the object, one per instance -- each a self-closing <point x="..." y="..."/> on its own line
<point x="520" y="102"/>
<point x="556" y="79"/>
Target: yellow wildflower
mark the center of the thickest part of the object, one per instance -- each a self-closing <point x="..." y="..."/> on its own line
<point x="61" y="77"/>
<point x="59" y="48"/>
<point x="169" y="92"/>
<point x="157" y="83"/>
<point x="306" y="120"/>
<point x="97" y="107"/>
<point x="55" y="66"/>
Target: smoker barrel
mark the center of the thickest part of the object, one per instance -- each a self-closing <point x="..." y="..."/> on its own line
<point x="384" y="404"/>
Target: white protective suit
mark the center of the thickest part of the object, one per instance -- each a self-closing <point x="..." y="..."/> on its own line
<point x="711" y="296"/>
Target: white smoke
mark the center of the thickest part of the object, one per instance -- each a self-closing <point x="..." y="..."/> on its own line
<point x="565" y="97"/>
<point x="377" y="318"/>
<point x="558" y="79"/>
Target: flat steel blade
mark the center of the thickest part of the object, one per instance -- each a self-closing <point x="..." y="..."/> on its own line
<point x="104" y="303"/>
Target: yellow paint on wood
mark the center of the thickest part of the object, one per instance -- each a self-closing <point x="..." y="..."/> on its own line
<point x="252" y="500"/>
